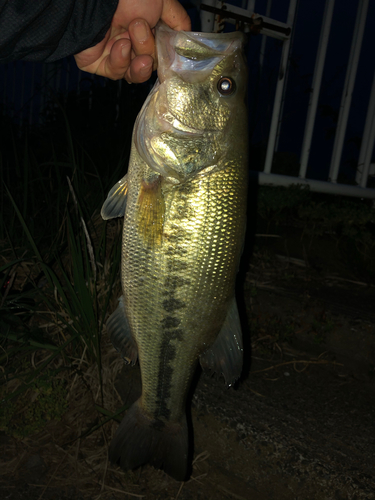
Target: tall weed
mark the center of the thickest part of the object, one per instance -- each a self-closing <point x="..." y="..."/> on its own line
<point x="59" y="265"/>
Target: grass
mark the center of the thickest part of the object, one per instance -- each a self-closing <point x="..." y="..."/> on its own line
<point x="59" y="281"/>
<point x="60" y="265"/>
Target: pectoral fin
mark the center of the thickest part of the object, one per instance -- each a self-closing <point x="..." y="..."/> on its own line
<point x="115" y="204"/>
<point x="121" y="337"/>
<point x="151" y="209"/>
<point x="226" y="354"/>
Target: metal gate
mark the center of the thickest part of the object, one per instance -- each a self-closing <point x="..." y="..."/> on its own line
<point x="25" y="86"/>
<point x="214" y="15"/>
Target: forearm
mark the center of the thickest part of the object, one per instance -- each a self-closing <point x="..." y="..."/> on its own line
<point x="47" y="30"/>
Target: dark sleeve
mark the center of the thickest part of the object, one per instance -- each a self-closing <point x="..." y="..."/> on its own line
<point x="47" y="30"/>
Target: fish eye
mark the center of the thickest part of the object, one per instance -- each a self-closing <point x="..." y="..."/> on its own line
<point x="226" y="85"/>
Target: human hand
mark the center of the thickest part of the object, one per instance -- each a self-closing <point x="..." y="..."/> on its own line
<point x="128" y="49"/>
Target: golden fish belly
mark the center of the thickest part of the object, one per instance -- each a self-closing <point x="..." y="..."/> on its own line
<point x="178" y="286"/>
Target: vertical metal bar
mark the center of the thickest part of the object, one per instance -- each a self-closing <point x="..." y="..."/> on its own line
<point x="370" y="148"/>
<point x="363" y="168"/>
<point x="264" y="39"/>
<point x="316" y="82"/>
<point x="348" y="89"/>
<point x="208" y="19"/>
<point x="254" y="106"/>
<point x="250" y="5"/>
<point x="279" y="91"/>
<point x="291" y="40"/>
<point x="367" y="144"/>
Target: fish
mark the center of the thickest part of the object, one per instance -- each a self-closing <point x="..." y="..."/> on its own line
<point x="183" y="200"/>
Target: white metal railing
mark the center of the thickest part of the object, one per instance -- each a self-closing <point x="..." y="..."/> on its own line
<point x="365" y="167"/>
<point x="215" y="12"/>
<point x="25" y="86"/>
<point x="316" y="83"/>
<point x="348" y="88"/>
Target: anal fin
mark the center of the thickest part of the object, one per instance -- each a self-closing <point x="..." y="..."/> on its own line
<point x="225" y="356"/>
<point x="121" y="337"/>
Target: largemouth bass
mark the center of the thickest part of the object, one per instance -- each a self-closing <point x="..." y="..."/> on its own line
<point x="184" y="203"/>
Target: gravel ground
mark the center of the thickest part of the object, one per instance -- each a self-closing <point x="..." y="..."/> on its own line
<point x="300" y="425"/>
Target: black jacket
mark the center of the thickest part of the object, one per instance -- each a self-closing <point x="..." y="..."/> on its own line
<point x="47" y="30"/>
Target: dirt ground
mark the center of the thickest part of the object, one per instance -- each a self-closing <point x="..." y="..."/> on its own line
<point x="299" y="425"/>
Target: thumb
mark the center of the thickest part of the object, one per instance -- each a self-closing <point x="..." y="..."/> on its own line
<point x="175" y="16"/>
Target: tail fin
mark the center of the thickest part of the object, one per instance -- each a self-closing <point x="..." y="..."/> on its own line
<point x="140" y="440"/>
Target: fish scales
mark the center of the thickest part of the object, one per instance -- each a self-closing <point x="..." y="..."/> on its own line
<point x="202" y="246"/>
<point x="184" y="224"/>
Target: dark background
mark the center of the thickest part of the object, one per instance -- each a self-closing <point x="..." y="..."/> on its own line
<point x="31" y="94"/>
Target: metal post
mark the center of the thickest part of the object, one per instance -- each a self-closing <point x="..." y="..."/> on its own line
<point x="279" y="91"/>
<point x="316" y="82"/>
<point x="370" y="147"/>
<point x="207" y="18"/>
<point x="348" y="89"/>
<point x="285" y="82"/>
<point x="367" y="144"/>
<point x="250" y="5"/>
<point x="264" y="39"/>
<point x="255" y="97"/>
